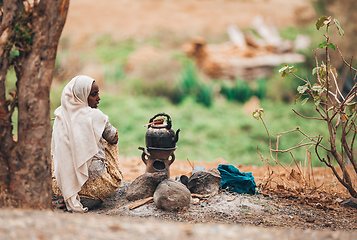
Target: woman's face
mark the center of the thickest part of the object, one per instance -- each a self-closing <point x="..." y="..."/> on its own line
<point x="93" y="98"/>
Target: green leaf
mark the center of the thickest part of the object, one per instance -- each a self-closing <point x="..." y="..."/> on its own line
<point x="304" y="101"/>
<point x="318" y="88"/>
<point x="317" y="102"/>
<point x="286" y="69"/>
<point x="340" y="30"/>
<point x="314" y="71"/>
<point x="297" y="97"/>
<point x="283" y="71"/>
<point x="283" y="68"/>
<point x="302" y="89"/>
<point x="330" y="45"/>
<point x="323" y="44"/>
<point x="351" y="106"/>
<point x="14" y="53"/>
<point x="257" y="113"/>
<point x="284" y="74"/>
<point x="321" y="22"/>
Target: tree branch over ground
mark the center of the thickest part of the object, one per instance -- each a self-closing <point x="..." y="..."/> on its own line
<point x="337" y="111"/>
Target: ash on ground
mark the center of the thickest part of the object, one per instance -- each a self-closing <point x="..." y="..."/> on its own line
<point x="231" y="207"/>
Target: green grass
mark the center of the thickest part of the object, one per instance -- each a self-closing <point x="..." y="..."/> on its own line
<point x="221" y="131"/>
<point x="211" y="126"/>
<point x="209" y="113"/>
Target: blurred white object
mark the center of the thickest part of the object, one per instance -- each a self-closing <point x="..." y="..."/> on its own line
<point x="198" y="168"/>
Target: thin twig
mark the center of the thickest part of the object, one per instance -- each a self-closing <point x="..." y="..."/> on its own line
<point x="349" y="65"/>
<point x="297" y="165"/>
<point x="297" y="146"/>
<point x="337" y="88"/>
<point x="306" y="137"/>
<point x="192" y="165"/>
<point x="314" y="118"/>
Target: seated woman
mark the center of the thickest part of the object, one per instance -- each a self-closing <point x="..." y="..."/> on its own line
<point x="84" y="147"/>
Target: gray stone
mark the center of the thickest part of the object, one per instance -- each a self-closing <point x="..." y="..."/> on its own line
<point x="350" y="202"/>
<point x="204" y="182"/>
<point x="144" y="186"/>
<point x="171" y="195"/>
<point x="91" y="203"/>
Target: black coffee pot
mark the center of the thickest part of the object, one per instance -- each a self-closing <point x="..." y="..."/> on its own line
<point x="160" y="134"/>
<point x="160" y="141"/>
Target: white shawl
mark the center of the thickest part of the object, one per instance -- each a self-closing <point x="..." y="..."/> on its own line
<point x="76" y="133"/>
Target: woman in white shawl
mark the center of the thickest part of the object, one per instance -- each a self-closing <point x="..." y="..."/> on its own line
<point x="84" y="147"/>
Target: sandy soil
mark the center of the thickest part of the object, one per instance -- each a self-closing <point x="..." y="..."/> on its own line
<point x="16" y="224"/>
<point x="122" y="19"/>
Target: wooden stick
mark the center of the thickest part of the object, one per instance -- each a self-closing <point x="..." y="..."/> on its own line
<point x="192" y="165"/>
<point x="231" y="199"/>
<point x="199" y="195"/>
<point x="140" y="202"/>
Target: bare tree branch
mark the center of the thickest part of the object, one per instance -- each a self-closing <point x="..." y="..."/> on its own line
<point x="345" y="62"/>
<point x="313" y="118"/>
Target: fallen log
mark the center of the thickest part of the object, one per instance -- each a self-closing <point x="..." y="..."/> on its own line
<point x="246" y="56"/>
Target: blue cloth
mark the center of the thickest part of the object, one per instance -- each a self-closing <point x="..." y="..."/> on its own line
<point x="236" y="181"/>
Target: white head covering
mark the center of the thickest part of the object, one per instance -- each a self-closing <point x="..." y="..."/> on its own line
<point x="76" y="132"/>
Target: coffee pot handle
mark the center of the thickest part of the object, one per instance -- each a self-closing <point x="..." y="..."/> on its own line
<point x="144" y="154"/>
<point x="169" y="123"/>
<point x="172" y="159"/>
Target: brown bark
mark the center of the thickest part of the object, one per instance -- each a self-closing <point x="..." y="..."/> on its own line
<point x="9" y="10"/>
<point x="27" y="179"/>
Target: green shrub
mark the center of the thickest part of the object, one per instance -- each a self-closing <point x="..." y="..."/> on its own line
<point x="189" y="84"/>
<point x="188" y="78"/>
<point x="261" y="89"/>
<point x="240" y="91"/>
<point x="204" y="95"/>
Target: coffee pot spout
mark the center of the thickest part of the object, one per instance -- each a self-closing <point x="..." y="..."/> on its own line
<point x="177" y="135"/>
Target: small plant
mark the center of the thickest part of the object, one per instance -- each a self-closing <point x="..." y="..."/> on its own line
<point x="242" y="91"/>
<point x="239" y="92"/>
<point x="261" y="89"/>
<point x="338" y="112"/>
<point x="190" y="85"/>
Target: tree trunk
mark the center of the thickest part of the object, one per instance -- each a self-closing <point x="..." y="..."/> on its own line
<point x="25" y="175"/>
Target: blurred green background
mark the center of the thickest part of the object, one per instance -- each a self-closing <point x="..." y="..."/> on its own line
<point x="209" y="112"/>
<point x="214" y="115"/>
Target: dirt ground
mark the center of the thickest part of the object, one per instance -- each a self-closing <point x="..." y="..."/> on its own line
<point x="316" y="207"/>
<point x="138" y="19"/>
<point x="269" y="215"/>
<point x="287" y="214"/>
<point x="281" y="211"/>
